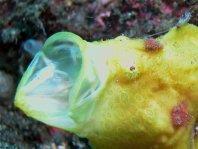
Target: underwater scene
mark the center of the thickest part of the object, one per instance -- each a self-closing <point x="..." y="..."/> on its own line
<point x="99" y="74"/>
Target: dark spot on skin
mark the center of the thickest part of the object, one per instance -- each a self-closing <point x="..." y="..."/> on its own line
<point x="132" y="68"/>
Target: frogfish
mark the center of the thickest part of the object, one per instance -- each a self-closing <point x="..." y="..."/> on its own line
<point x="121" y="93"/>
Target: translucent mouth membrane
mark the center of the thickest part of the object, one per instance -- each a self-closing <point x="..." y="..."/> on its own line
<point x="57" y="78"/>
<point x="54" y="71"/>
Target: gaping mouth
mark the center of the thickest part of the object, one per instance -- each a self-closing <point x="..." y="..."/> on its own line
<point x="58" y="79"/>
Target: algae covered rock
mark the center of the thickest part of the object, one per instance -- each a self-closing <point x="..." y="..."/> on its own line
<point x="121" y="93"/>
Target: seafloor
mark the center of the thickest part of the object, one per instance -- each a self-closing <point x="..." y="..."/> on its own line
<point x="25" y="25"/>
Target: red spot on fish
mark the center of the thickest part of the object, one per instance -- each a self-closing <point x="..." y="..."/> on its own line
<point x="180" y="115"/>
<point x="152" y="45"/>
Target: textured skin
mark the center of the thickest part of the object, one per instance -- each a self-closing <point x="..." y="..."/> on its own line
<point x="135" y="112"/>
<point x="137" y="108"/>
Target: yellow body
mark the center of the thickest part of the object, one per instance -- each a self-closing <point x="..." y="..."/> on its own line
<point x="133" y="108"/>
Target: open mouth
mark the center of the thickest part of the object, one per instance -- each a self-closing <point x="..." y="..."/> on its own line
<point x="59" y="78"/>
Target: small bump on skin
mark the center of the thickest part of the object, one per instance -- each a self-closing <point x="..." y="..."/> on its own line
<point x="152" y="45"/>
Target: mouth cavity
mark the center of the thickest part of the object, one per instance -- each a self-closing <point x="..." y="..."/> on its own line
<point x="58" y="78"/>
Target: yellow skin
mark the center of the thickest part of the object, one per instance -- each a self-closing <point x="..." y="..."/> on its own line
<point x="132" y="107"/>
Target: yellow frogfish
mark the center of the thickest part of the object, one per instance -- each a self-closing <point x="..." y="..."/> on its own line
<point x="120" y="93"/>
